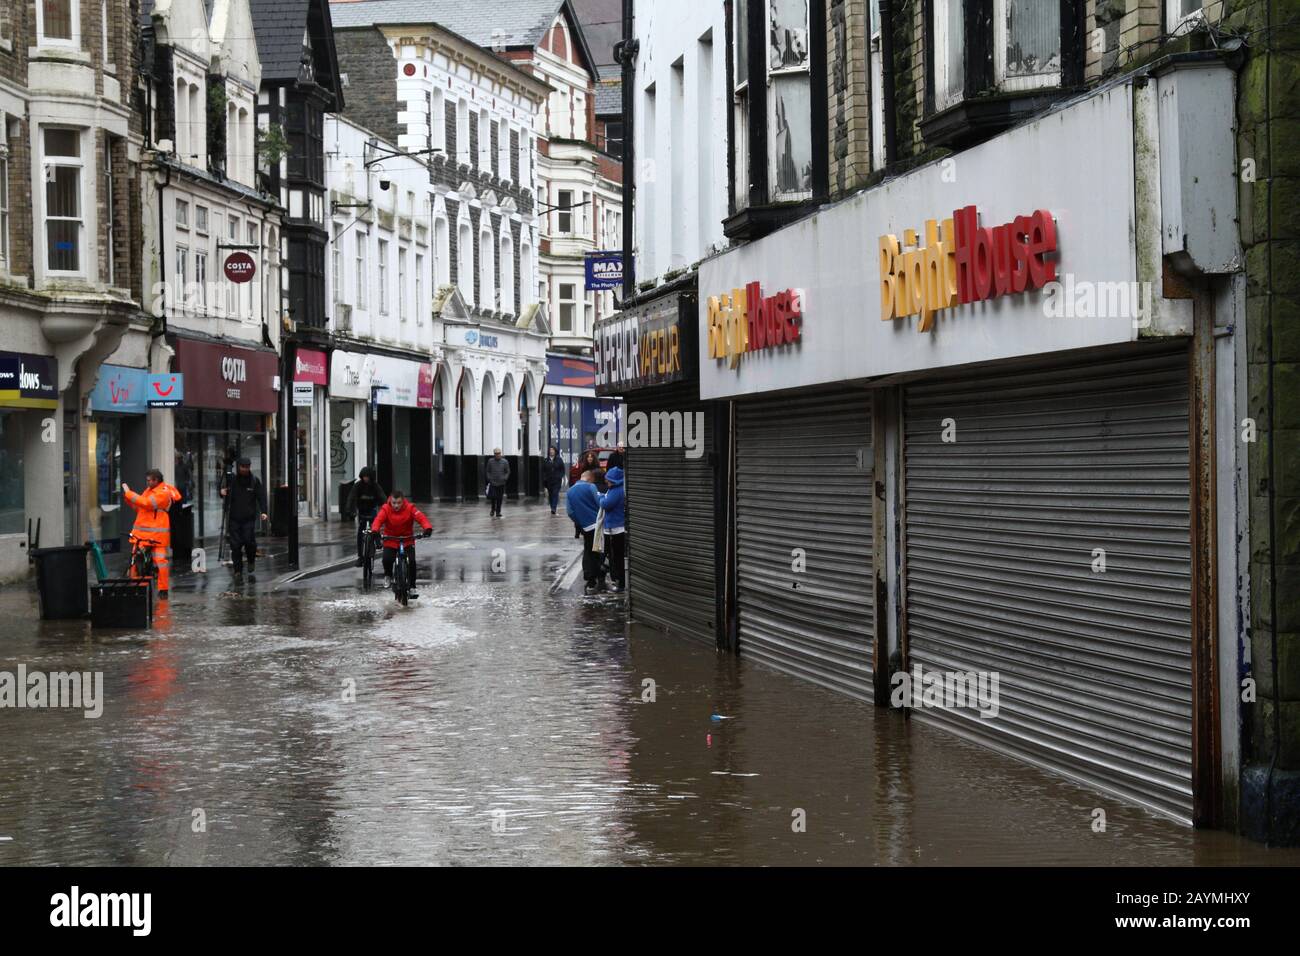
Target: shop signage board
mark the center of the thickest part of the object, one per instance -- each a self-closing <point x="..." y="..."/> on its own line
<point x="399" y="382"/>
<point x="28" y="381"/>
<point x="303" y="393"/>
<point x="472" y="338"/>
<point x="121" y="390"/>
<point x="240" y="267"/>
<point x="311" y="366"/>
<point x="641" y="347"/>
<point x="221" y="376"/>
<point x="604" y="271"/>
<point x="923" y="271"/>
<point x="166" y="390"/>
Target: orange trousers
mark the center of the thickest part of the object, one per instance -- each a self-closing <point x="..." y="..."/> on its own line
<point x="161" y="562"/>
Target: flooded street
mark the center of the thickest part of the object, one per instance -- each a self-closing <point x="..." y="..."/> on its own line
<point x="496" y="722"/>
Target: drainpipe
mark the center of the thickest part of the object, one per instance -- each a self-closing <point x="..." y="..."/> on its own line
<point x="887" y="73"/>
<point x="625" y="52"/>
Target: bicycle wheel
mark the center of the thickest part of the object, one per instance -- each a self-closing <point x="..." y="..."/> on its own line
<point x="368" y="563"/>
<point x="401" y="587"/>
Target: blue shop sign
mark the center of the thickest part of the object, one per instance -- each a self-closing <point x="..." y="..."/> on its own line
<point x="167" y="390"/>
<point x="120" y="389"/>
<point x="604" y="271"/>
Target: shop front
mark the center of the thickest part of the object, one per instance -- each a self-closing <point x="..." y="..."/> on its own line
<point x="390" y="399"/>
<point x="966" y="423"/>
<point x="230" y="396"/>
<point x="574" y="417"/>
<point x="310" y="397"/>
<point x="647" y="356"/>
<point x="28" y="395"/>
<point x="118" y="439"/>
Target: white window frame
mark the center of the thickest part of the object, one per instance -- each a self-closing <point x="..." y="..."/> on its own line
<point x="462" y="133"/>
<point x="1180" y="23"/>
<point x="79" y="163"/>
<point x="419" y="289"/>
<point x="503" y="150"/>
<point x="486" y="260"/>
<point x="465" y="261"/>
<point x="336" y="262"/>
<point x="233" y="295"/>
<point x="182" y="214"/>
<point x="441" y="252"/>
<point x="484" y="160"/>
<point x="201" y="276"/>
<point x="253" y="232"/>
<point x="943" y="97"/>
<point x="506" y="260"/>
<point x="402" y="255"/>
<point x="182" y="273"/>
<point x="201" y="219"/>
<point x="362" y="299"/>
<point x="1000" y="78"/>
<point x="74" y="11"/>
<point x="572" y="302"/>
<point x="876" y="67"/>
<point x="563" y="209"/>
<point x="4" y="197"/>
<point x="383" y="276"/>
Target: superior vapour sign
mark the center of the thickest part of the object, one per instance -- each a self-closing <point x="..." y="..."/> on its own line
<point x="640" y="348"/>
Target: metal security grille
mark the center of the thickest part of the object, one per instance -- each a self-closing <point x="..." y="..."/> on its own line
<point x="671" y="527"/>
<point x="1048" y="472"/>
<point x="804" y="485"/>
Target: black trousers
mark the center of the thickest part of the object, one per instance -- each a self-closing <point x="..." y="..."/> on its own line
<point x="242" y="536"/>
<point x="363" y="522"/>
<point x="390" y="559"/>
<point x="591" y="561"/>
<point x="553" y="493"/>
<point x="616" y="551"/>
<point x="496" y="495"/>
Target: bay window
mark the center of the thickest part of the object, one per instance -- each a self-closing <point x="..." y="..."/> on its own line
<point x="64" y="218"/>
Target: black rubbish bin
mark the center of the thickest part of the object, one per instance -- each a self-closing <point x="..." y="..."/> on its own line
<point x="62" y="582"/>
<point x="182" y="525"/>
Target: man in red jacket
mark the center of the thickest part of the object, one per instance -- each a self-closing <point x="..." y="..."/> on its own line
<point x="397" y="520"/>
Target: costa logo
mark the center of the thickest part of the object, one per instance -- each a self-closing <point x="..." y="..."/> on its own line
<point x="240" y="267"/>
<point x="234" y="370"/>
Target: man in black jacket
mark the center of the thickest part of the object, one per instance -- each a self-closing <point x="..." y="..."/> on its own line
<point x="245" y="503"/>
<point x="554" y="472"/>
<point x="365" y="500"/>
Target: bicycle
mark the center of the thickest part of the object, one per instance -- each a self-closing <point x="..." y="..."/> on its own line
<point x="142" y="565"/>
<point x="368" y="560"/>
<point x="403" y="571"/>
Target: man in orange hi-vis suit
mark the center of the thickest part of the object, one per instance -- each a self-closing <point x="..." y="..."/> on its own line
<point x="152" y="523"/>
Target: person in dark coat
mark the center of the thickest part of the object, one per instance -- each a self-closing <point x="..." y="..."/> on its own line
<point x="246" y="501"/>
<point x="616" y="459"/>
<point x="498" y="474"/>
<point x="615" y="504"/>
<point x="364" y="501"/>
<point x="553" y="477"/>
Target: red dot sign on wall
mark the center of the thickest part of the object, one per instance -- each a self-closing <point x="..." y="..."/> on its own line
<point x="240" y="267"/>
<point x="409" y="69"/>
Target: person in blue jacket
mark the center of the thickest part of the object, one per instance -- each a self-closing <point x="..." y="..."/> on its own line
<point x="614" y="502"/>
<point x="583" y="505"/>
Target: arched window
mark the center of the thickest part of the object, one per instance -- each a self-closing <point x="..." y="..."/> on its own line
<point x="507" y="271"/>
<point x="441" y="253"/>
<point x="486" y="269"/>
<point x="465" y="262"/>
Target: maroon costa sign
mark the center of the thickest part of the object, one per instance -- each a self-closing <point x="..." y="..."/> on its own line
<point x="240" y="267"/>
<point x="227" y="376"/>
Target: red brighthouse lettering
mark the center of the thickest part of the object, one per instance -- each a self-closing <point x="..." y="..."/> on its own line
<point x="773" y="321"/>
<point x="1002" y="259"/>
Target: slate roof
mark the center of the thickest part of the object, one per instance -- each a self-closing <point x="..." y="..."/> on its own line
<point x="279" y="25"/>
<point x="609" y="91"/>
<point x="487" y="23"/>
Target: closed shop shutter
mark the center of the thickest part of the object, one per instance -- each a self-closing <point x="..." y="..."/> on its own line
<point x="1003" y="527"/>
<point x="804" y="484"/>
<point x="671" y="526"/>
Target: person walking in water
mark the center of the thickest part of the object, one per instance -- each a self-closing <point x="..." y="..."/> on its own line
<point x="498" y="473"/>
<point x="246" y="499"/>
<point x="553" y="474"/>
<point x="583" y="505"/>
<point x="364" y="501"/>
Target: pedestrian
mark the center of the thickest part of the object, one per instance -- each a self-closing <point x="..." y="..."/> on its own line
<point x="616" y="459"/>
<point x="152" y="529"/>
<point x="614" y="502"/>
<point x="553" y="477"/>
<point x="245" y="504"/>
<point x="364" y="501"/>
<point x="498" y="473"/>
<point x="583" y="505"/>
<point x="396" y="520"/>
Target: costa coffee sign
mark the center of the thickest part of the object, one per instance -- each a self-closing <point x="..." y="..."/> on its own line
<point x="961" y="262"/>
<point x="746" y="321"/>
<point x="240" y="267"/>
<point x="227" y="377"/>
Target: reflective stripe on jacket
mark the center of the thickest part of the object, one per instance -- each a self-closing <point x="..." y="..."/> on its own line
<point x="152" y="522"/>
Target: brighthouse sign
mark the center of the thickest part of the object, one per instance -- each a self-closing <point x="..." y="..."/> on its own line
<point x="746" y="321"/>
<point x="962" y="263"/>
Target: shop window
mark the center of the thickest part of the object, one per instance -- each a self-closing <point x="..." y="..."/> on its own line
<point x="64" y="221"/>
<point x="568" y="306"/>
<point x="57" y="22"/>
<point x="12" y="478"/>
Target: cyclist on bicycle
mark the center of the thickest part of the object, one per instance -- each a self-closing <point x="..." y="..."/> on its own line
<point x="365" y="500"/>
<point x="152" y="528"/>
<point x="396" y="521"/>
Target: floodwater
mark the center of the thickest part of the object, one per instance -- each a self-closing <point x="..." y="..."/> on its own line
<point x="495" y="722"/>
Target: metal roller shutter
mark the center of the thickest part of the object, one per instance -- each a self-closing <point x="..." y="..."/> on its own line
<point x="804" y="481"/>
<point x="1001" y="527"/>
<point x="671" y="529"/>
